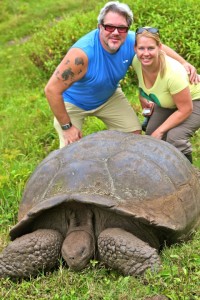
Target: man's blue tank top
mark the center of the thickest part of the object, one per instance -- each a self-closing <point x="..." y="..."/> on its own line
<point x="104" y="72"/>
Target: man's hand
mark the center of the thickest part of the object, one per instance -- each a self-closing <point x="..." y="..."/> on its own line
<point x="71" y="135"/>
<point x="192" y="73"/>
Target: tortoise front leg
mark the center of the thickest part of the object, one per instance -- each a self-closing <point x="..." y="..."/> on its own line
<point x="31" y="253"/>
<point x="123" y="251"/>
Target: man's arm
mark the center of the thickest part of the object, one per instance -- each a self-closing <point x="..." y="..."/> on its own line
<point x="72" y="68"/>
<point x="191" y="70"/>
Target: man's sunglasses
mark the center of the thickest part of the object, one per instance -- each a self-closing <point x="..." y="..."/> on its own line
<point x="120" y="29"/>
<point x="149" y="29"/>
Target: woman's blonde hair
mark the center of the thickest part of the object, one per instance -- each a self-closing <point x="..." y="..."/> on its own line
<point x="156" y="38"/>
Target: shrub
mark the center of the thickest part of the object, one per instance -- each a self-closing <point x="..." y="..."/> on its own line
<point x="178" y="28"/>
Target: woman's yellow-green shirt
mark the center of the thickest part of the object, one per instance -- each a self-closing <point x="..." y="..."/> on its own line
<point x="174" y="80"/>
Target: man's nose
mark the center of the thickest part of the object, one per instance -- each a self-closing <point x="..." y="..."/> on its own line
<point x="116" y="31"/>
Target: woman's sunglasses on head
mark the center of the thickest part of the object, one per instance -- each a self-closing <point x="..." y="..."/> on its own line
<point x="149" y="29"/>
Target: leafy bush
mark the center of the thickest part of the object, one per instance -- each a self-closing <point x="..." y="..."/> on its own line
<point x="48" y="47"/>
<point x="178" y="28"/>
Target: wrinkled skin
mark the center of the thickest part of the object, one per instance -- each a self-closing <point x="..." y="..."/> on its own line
<point x="42" y="248"/>
<point x="112" y="196"/>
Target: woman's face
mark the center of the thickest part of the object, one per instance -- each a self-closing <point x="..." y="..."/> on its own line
<point x="147" y="50"/>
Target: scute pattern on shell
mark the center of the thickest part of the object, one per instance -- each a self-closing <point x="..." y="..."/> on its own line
<point x="134" y="175"/>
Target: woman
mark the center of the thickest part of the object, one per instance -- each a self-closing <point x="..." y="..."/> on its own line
<point x="164" y="88"/>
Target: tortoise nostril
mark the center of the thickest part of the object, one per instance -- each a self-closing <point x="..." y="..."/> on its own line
<point x="83" y="251"/>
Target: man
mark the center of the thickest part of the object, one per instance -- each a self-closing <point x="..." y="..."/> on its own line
<point x="88" y="77"/>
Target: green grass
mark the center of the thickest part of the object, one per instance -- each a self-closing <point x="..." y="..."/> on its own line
<point x="27" y="29"/>
<point x="21" y="18"/>
<point x="178" y="279"/>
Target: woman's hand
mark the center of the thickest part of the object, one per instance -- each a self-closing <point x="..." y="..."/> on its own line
<point x="148" y="106"/>
<point x="158" y="134"/>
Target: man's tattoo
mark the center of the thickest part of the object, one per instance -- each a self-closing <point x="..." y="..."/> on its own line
<point x="67" y="62"/>
<point x="57" y="74"/>
<point x="67" y="74"/>
<point x="79" y="61"/>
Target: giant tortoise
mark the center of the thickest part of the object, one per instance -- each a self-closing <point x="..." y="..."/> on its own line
<point x="115" y="197"/>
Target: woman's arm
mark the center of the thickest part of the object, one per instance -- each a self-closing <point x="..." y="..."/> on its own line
<point x="183" y="101"/>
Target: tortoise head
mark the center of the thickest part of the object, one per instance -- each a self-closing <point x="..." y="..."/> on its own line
<point x="79" y="245"/>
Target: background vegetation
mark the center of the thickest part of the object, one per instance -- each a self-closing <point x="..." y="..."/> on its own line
<point x="34" y="36"/>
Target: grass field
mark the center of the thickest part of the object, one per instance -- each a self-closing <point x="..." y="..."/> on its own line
<point x="27" y="136"/>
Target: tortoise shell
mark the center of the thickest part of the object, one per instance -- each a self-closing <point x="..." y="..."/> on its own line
<point x="133" y="175"/>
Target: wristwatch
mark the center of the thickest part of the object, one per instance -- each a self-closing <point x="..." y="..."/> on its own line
<point x="66" y="126"/>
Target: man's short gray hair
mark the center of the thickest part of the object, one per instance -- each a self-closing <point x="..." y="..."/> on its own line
<point x="120" y="8"/>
